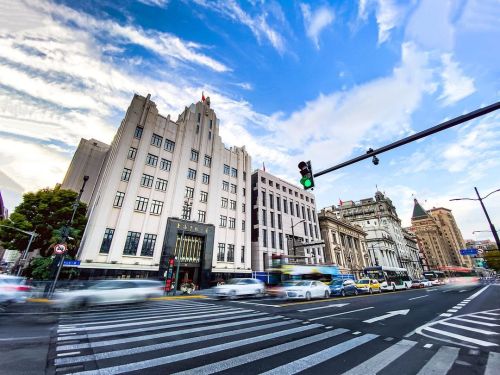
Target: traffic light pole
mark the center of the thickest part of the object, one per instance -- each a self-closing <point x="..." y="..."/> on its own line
<point x="492" y="227"/>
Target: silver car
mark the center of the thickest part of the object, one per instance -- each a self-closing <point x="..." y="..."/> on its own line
<point x="13" y="289"/>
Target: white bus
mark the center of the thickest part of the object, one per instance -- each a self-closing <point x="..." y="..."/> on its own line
<point x="390" y="278"/>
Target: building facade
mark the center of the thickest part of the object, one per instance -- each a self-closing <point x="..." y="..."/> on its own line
<point x="416" y="265"/>
<point x="345" y="244"/>
<point x="4" y="214"/>
<point x="170" y="188"/>
<point x="88" y="160"/>
<point x="284" y="220"/>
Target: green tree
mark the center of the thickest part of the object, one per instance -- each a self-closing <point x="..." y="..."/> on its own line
<point x="492" y="258"/>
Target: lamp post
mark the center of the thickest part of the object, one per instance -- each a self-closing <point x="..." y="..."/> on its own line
<point x="25" y="252"/>
<point x="480" y="199"/>
<point x="293" y="233"/>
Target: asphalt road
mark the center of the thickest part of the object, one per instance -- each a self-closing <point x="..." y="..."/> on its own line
<point x="439" y="330"/>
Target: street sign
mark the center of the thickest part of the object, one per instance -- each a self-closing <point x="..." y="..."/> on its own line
<point x="60" y="248"/>
<point x="71" y="263"/>
<point x="468" y="252"/>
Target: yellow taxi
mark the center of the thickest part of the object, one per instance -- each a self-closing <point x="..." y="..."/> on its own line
<point x="368" y="286"/>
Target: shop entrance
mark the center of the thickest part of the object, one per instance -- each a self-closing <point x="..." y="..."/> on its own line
<point x="189" y="251"/>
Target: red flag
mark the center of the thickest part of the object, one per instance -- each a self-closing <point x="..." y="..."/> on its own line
<point x="263" y="167"/>
<point x="202" y="96"/>
<point x="340" y="202"/>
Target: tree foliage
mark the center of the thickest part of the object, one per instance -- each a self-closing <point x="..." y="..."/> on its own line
<point x="492" y="258"/>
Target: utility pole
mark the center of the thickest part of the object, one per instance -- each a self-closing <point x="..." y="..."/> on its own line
<point x="26" y="251"/>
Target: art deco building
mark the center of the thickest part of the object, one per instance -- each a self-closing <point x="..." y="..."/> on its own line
<point x="169" y="188"/>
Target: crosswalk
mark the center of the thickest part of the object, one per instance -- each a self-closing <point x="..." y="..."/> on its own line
<point x="193" y="337"/>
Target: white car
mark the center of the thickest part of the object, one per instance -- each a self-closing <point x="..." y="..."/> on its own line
<point x="239" y="287"/>
<point x="13" y="289"/>
<point x="110" y="292"/>
<point x="307" y="289"/>
<point x="427" y="283"/>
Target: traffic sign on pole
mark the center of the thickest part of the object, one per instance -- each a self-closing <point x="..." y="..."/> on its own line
<point x="60" y="248"/>
<point x="468" y="252"/>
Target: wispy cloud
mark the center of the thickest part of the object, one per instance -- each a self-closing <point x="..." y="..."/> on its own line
<point x="388" y="14"/>
<point x="157" y="3"/>
<point x="316" y="21"/>
<point x="456" y="85"/>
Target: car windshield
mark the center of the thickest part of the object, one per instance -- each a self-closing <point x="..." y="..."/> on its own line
<point x="303" y="283"/>
<point x="337" y="283"/>
<point x="363" y="281"/>
<point x="235" y="281"/>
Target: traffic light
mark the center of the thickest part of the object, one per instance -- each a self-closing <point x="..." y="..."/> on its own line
<point x="307" y="179"/>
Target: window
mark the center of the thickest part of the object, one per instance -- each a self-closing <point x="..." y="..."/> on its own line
<point x="278" y="203"/>
<point x="305" y="228"/>
<point x="191" y="175"/>
<point x="169" y="145"/>
<point x="244" y="176"/>
<point x="243" y="254"/>
<point x="273" y="240"/>
<point x="205" y="178"/>
<point x="199" y="117"/>
<point x="270" y="183"/>
<point x="233" y="188"/>
<point x="271" y="201"/>
<point x="156" y="207"/>
<point x="203" y="196"/>
<point x="221" y="253"/>
<point x="310" y="230"/>
<point x="161" y="184"/>
<point x="201" y="216"/>
<point x="209" y="135"/>
<point x="230" y="253"/>
<point x="263" y="180"/>
<point x="223" y="221"/>
<point x="243" y="207"/>
<point x="244" y="192"/>
<point x="189" y="193"/>
<point x="152" y="160"/>
<point x="132" y="151"/>
<point x="272" y="219"/>
<point x="208" y="161"/>
<point x="118" y="199"/>
<point x="186" y="212"/>
<point x="232" y="205"/>
<point x="226" y="169"/>
<point x="147" y="180"/>
<point x="126" y="174"/>
<point x="316" y="231"/>
<point x="263" y="197"/>
<point x="264" y="237"/>
<point x="224" y="203"/>
<point x="232" y="223"/>
<point x="297" y="211"/>
<point x="279" y="221"/>
<point x="285" y="206"/>
<point x="234" y="172"/>
<point x="314" y="216"/>
<point x="148" y="245"/>
<point x="106" y="241"/>
<point x="165" y="164"/>
<point x="138" y="132"/>
<point x="141" y="204"/>
<point x="264" y="217"/>
<point x="243" y="225"/>
<point x="280" y="240"/>
<point x="131" y="243"/>
<point x="304" y="213"/>
<point x="291" y="208"/>
<point x="197" y="128"/>
<point x="210" y="124"/>
<point x="156" y="140"/>
<point x="225" y="185"/>
<point x="194" y="155"/>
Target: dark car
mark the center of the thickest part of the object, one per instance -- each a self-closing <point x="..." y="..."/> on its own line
<point x="343" y="288"/>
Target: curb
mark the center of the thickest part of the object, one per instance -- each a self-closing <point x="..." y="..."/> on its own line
<point x="167" y="298"/>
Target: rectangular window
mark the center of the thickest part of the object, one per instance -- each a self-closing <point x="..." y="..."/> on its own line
<point x="226" y="169"/>
<point x="244" y="176"/>
<point x="243" y="226"/>
<point x="225" y="185"/>
<point x="285" y="206"/>
<point x="273" y="240"/>
<point x="210" y="124"/>
<point x="303" y="212"/>
<point x="316" y="231"/>
<point x="314" y="216"/>
<point x="224" y="203"/>
<point x="243" y="254"/>
<point x="308" y="214"/>
<point x="264" y="237"/>
<point x="297" y="211"/>
<point x="264" y="217"/>
<point x="232" y="223"/>
<point x="165" y="164"/>
<point x="291" y="208"/>
<point x="132" y="243"/>
<point x="138" y="132"/>
<point x="263" y="198"/>
<point x="223" y="221"/>
<point x="147" y="180"/>
<point x="189" y="193"/>
<point x="169" y="145"/>
<point x="234" y="172"/>
<point x="271" y="201"/>
<point x="244" y="192"/>
<point x="208" y="161"/>
<point x="156" y="207"/>
<point x="156" y="140"/>
<point x="202" y="216"/>
<point x="106" y="240"/>
<point x="203" y="196"/>
<point x="233" y="188"/>
<point x="132" y="151"/>
<point x="310" y="230"/>
<point x="205" y="178"/>
<point x="141" y="204"/>
<point x="272" y="219"/>
<point x="126" y="174"/>
<point x="118" y="199"/>
<point x="279" y="222"/>
<point x="152" y="160"/>
<point x="186" y="212"/>
<point x="194" y="155"/>
<point x="161" y="184"/>
<point x="197" y="128"/>
<point x="199" y="117"/>
<point x="232" y="205"/>
<point x="148" y="245"/>
<point x="230" y="252"/>
<point x="280" y="240"/>
<point x="278" y="203"/>
<point x="191" y="175"/>
<point x="209" y="135"/>
<point x="305" y="228"/>
<point x="221" y="253"/>
<point x="243" y="207"/>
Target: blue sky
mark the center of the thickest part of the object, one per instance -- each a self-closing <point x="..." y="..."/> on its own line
<point x="291" y="80"/>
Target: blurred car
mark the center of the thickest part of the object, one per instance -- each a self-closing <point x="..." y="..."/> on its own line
<point x="420" y="283"/>
<point x="239" y="287"/>
<point x="368" y="286"/>
<point x="343" y="288"/>
<point x="278" y="290"/>
<point x="13" y="289"/>
<point x="307" y="289"/>
<point x="110" y="292"/>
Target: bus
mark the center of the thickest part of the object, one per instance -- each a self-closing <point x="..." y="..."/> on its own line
<point x="390" y="278"/>
<point x="435" y="277"/>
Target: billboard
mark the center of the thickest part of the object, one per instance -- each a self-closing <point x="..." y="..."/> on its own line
<point x="468" y="252"/>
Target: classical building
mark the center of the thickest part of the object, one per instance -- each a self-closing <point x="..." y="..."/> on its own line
<point x="418" y="262"/>
<point x="439" y="237"/>
<point x="169" y="188"/>
<point x="345" y="244"/>
<point x="284" y="222"/>
<point x="88" y="160"/>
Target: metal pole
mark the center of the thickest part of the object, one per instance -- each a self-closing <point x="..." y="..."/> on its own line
<point x="492" y="227"/>
<point x="25" y="253"/>
<point x="293" y="238"/>
<point x="179" y="263"/>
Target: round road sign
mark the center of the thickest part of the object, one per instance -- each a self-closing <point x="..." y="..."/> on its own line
<point x="60" y="248"/>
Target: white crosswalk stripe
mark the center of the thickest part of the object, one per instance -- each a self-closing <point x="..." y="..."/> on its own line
<point x="441" y="362"/>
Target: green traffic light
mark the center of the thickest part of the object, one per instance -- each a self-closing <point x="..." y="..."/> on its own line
<point x="306" y="182"/>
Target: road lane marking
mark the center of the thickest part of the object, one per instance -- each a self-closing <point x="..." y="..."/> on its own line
<point x="320" y="357"/>
<point x="389" y="314"/>
<point x="452" y="310"/>
<point x="476" y="322"/>
<point x="409" y="299"/>
<point x="476" y="315"/>
<point x="342" y="313"/>
<point x="428" y="346"/>
<point x="67" y="353"/>
<point x="490" y="313"/>
<point x="441" y="362"/>
<point x="325" y="307"/>
<point x="382" y="359"/>
<point x="445" y="314"/>
<point x="260" y="354"/>
<point x="356" y="333"/>
<point x="463" y="290"/>
<point x="255" y="303"/>
<point x="478" y="292"/>
<point x="469" y="328"/>
<point x="460" y="337"/>
<point x="492" y="364"/>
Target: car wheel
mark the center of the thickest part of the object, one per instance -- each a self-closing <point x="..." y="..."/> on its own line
<point x="356" y="292"/>
<point x="327" y="294"/>
<point x="394" y="288"/>
<point x="81" y="304"/>
<point x="342" y="293"/>
<point x="308" y="296"/>
<point x="259" y="293"/>
<point x="379" y="290"/>
<point x="232" y="294"/>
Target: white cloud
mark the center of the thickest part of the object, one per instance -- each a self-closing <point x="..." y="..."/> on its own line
<point x="157" y="3"/>
<point x="388" y="14"/>
<point x="316" y="21"/>
<point x="456" y="85"/>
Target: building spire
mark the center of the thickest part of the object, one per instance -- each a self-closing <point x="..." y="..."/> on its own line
<point x="418" y="211"/>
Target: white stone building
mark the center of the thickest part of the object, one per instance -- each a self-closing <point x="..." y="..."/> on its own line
<point x="278" y="205"/>
<point x="162" y="179"/>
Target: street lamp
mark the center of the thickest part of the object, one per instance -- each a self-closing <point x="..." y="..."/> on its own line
<point x="293" y="233"/>
<point x="492" y="227"/>
<point x="25" y="253"/>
